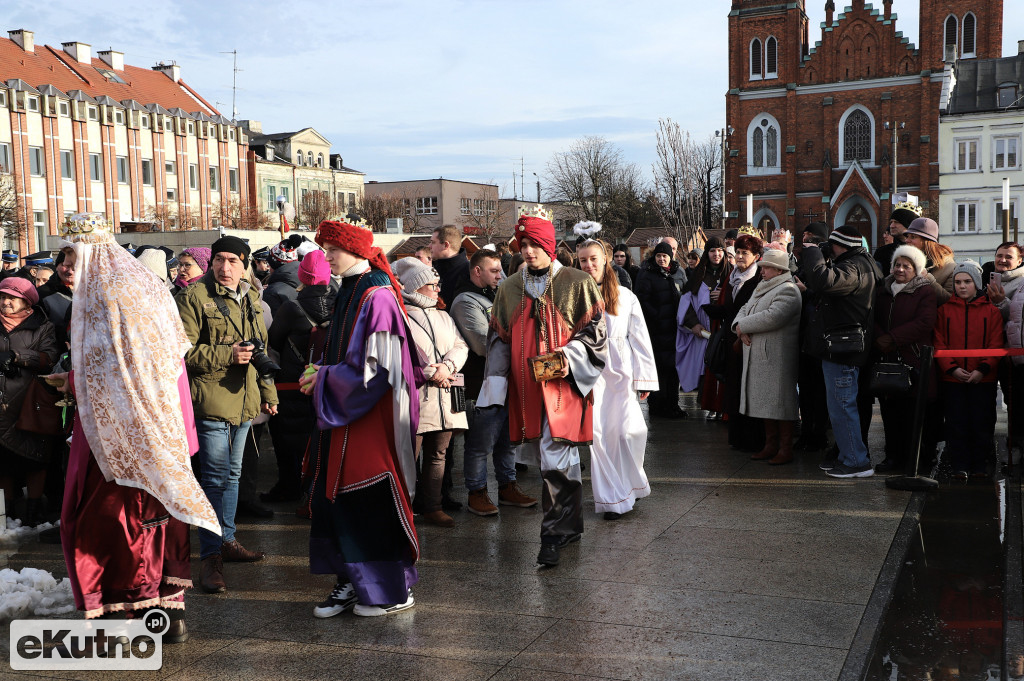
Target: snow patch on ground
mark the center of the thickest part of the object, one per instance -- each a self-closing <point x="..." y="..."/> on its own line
<point x="33" y="593"/>
<point x="15" y="532"/>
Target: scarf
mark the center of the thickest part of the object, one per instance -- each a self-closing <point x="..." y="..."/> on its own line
<point x="12" y="321"/>
<point x="737" y="279"/>
<point x="182" y="282"/>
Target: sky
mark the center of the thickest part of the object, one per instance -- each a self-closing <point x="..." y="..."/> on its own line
<point x="472" y="90"/>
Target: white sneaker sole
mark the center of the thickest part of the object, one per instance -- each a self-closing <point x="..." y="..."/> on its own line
<point x="377" y="611"/>
<point x="861" y="474"/>
<point x="333" y="611"/>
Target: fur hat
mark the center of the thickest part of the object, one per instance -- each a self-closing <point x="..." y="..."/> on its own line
<point x="314" y="269"/>
<point x="925" y="228"/>
<point x="846" y="236"/>
<point x="914" y="255"/>
<point x="775" y="258"/>
<point x="413" y="273"/>
<point x="967" y="267"/>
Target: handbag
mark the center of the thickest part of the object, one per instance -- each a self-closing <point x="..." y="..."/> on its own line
<point x="457" y="388"/>
<point x="845" y="340"/>
<point x="889" y="378"/>
<point x="716" y="354"/>
<point x="547" y="367"/>
<point x="39" y="411"/>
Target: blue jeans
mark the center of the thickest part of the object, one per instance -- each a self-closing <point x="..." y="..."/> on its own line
<point x="841" y="396"/>
<point x="221" y="446"/>
<point x="488" y="434"/>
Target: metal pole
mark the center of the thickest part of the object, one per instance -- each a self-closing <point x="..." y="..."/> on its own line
<point x="722" y="176"/>
<point x="911" y="480"/>
<point x="895" y="158"/>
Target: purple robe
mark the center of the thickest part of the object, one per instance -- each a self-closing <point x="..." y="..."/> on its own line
<point x="690" y="348"/>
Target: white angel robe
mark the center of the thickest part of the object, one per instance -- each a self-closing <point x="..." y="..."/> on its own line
<point x="620" y="432"/>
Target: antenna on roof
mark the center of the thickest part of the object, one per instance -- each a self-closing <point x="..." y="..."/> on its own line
<point x="234" y="81"/>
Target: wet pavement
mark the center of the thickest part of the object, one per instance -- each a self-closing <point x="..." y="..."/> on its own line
<point x="731" y="569"/>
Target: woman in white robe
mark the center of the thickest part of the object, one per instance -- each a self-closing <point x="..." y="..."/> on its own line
<point x="620" y="432"/>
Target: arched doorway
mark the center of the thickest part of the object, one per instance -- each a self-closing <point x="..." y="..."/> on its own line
<point x="857" y="212"/>
<point x="766" y="221"/>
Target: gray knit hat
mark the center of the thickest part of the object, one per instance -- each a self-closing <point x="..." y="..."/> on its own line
<point x="414" y="273"/>
<point x="972" y="268"/>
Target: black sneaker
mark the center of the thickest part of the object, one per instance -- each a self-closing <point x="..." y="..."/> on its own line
<point x="828" y="464"/>
<point x="548" y="555"/>
<point x="843" y="471"/>
<point x="342" y="597"/>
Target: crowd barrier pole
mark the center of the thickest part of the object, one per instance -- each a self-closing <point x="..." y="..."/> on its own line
<point x="911" y="480"/>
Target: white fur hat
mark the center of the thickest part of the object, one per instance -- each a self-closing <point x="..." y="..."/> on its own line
<point x="914" y="255"/>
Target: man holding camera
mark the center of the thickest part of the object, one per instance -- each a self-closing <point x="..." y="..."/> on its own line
<point x="227" y="371"/>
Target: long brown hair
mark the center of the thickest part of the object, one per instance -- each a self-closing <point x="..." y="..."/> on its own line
<point x="609" y="280"/>
<point x="938" y="254"/>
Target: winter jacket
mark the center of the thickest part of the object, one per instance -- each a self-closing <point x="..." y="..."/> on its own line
<point x="845" y="290"/>
<point x="34" y="343"/>
<point x="55" y="300"/>
<point x="1014" y="328"/>
<point x="883" y="256"/>
<point x="454" y="273"/>
<point x="970" y="325"/>
<point x="222" y="391"/>
<point x="771" y="362"/>
<point x="293" y="324"/>
<point x="907" y="318"/>
<point x="1011" y="282"/>
<point x="471" y="312"/>
<point x="943" y="284"/>
<point x="624" y="279"/>
<point x="437" y="340"/>
<point x="281" y="285"/>
<point x="659" y="292"/>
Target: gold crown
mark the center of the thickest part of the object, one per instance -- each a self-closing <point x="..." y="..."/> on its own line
<point x="750" y="230"/>
<point x="907" y="205"/>
<point x="90" y="228"/>
<point x="535" y="211"/>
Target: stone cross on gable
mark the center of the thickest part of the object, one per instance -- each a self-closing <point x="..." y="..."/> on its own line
<point x="810" y="214"/>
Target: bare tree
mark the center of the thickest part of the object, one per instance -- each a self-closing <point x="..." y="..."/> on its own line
<point x="236" y="215"/>
<point x="378" y="208"/>
<point x="12" y="211"/>
<point x="484" y="215"/>
<point x="317" y="206"/>
<point x="686" y="190"/>
<point x="160" y="215"/>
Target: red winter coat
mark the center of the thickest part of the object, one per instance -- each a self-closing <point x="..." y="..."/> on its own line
<point x="968" y="325"/>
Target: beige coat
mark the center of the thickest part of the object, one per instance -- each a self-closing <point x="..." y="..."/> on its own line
<point x="436" y="340"/>
<point x="771" y="362"/>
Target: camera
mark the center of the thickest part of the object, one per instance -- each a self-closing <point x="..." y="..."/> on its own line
<point x="265" y="367"/>
<point x="7" y="364"/>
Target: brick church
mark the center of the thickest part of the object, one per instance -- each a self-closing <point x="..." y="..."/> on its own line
<point x="816" y="132"/>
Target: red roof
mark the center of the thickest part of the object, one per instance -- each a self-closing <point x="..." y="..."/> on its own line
<point x="51" y="66"/>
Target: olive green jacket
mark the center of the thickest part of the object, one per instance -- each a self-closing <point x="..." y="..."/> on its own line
<point x="222" y="391"/>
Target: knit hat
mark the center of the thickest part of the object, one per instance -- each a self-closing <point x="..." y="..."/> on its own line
<point x="153" y="259"/>
<point x="926" y="228"/>
<point x="359" y="242"/>
<point x="696" y="253"/>
<point x="305" y="248"/>
<point x="663" y="248"/>
<point x="20" y="288"/>
<point x="232" y="245"/>
<point x="916" y="256"/>
<point x="413" y="273"/>
<point x="314" y="270"/>
<point x="966" y="267"/>
<point x="200" y="254"/>
<point x="818" y="229"/>
<point x="712" y="243"/>
<point x="775" y="258"/>
<point x="904" y="216"/>
<point x="732" y="234"/>
<point x="285" y="252"/>
<point x="846" y="236"/>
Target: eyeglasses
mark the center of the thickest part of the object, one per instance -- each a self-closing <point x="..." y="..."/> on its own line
<point x="187" y="266"/>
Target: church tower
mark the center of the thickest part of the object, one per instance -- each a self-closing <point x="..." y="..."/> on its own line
<point x="768" y="40"/>
<point x="960" y="29"/>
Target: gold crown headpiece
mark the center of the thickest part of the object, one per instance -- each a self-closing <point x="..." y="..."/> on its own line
<point x="907" y="205"/>
<point x="535" y="211"/>
<point x="750" y="230"/>
<point x="91" y="228"/>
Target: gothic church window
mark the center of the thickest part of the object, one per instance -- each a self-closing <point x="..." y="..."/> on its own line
<point x="857" y="137"/>
<point x="755" y="59"/>
<point x="771" y="57"/>
<point x="763" y="145"/>
<point x="970" y="35"/>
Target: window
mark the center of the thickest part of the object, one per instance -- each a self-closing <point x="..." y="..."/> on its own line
<point x="193" y="176"/>
<point x="168" y="124"/>
<point x="755" y="59"/>
<point x="285" y="194"/>
<point x="970" y="36"/>
<point x="763" y="145"/>
<point x="191" y="128"/>
<point x="64" y="108"/>
<point x="36" y="166"/>
<point x="1014" y="215"/>
<point x="5" y="158"/>
<point x="492" y="207"/>
<point x="271" y="197"/>
<point x="464" y="206"/>
<point x="407" y="205"/>
<point x="144" y="121"/>
<point x="119" y="117"/>
<point x="67" y="165"/>
<point x="3" y="98"/>
<point x="771" y="58"/>
<point x="122" y="170"/>
<point x="1004" y="152"/>
<point x="351" y="201"/>
<point x="299" y="157"/>
<point x="233" y="179"/>
<point x="951" y="33"/>
<point x="309" y="158"/>
<point x="147" y="172"/>
<point x="33" y="104"/>
<point x="966" y="155"/>
<point x="94" y="113"/>
<point x="95" y="167"/>
<point x="1007" y="95"/>
<point x="172" y="194"/>
<point x="341" y="200"/>
<point x="966" y="216"/>
<point x="426" y="205"/>
<point x="857" y="137"/>
<point x="231" y="134"/>
<point x="478" y="206"/>
<point x="39" y="226"/>
<point x="169" y="167"/>
<point x="214" y="180"/>
<point x="319" y="160"/>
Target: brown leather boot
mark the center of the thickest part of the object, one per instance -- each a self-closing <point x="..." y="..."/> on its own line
<point x="785" y="454"/>
<point x="234" y="552"/>
<point x="771" y="441"/>
<point x="438" y="518"/>
<point x="211" y="575"/>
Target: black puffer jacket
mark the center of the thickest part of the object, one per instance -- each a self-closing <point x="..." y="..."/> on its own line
<point x="846" y="294"/>
<point x="35" y="345"/>
<point x="293" y="323"/>
<point x="658" y="292"/>
<point x="281" y="286"/>
<point x="454" y="273"/>
<point x="55" y="300"/>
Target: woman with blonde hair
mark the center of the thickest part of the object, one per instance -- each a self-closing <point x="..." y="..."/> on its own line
<point x="923" y="234"/>
<point x="620" y="432"/>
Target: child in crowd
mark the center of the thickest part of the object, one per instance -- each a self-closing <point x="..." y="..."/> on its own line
<point x="968" y="321"/>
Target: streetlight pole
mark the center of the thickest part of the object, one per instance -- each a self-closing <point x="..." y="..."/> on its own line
<point x="895" y="127"/>
<point x="721" y="175"/>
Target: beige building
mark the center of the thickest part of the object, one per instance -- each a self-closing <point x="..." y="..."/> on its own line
<point x="471" y="206"/>
<point x="92" y="134"/>
<point x="296" y="165"/>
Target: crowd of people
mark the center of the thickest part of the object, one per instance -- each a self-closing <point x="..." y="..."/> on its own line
<point x="371" y="376"/>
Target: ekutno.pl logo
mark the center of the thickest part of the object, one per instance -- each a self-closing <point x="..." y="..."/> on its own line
<point x="102" y="644"/>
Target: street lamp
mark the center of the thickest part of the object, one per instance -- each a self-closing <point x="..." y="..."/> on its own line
<point x="895" y="127"/>
<point x="538" y="187"/>
<point x="722" y="134"/>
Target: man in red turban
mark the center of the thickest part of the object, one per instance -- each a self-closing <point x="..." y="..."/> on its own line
<point x="547" y="309"/>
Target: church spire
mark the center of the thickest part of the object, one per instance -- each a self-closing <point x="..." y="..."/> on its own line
<point x="830" y="7"/>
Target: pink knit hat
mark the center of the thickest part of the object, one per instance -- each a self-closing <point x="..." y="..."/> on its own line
<point x="20" y="288"/>
<point x="314" y="270"/>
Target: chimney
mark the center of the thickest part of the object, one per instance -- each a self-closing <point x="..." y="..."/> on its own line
<point x="24" y="39"/>
<point x="82" y="52"/>
<point x="270" y="151"/>
<point x="172" y="70"/>
<point x="1020" y="47"/>
<point x="114" y="59"/>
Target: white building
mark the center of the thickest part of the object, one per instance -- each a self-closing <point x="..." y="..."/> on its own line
<point x="980" y="136"/>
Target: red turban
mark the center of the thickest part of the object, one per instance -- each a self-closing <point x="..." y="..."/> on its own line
<point x="539" y="231"/>
<point x="358" y="241"/>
